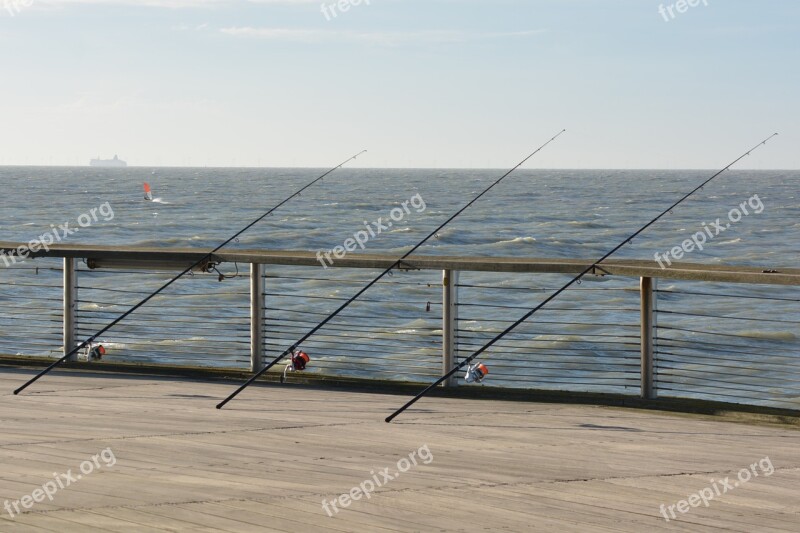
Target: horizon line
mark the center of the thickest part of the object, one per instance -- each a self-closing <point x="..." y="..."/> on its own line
<point x="254" y="167"/>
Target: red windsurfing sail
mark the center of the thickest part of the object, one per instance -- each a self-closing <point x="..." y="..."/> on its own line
<point x="148" y="195"/>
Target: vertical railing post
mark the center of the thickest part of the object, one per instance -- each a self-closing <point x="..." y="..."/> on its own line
<point x="449" y="324"/>
<point x="257" y="272"/>
<point x="70" y="305"/>
<point x="648" y="310"/>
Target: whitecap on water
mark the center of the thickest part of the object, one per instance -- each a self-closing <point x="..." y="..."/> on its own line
<point x="168" y="342"/>
<point x="519" y="240"/>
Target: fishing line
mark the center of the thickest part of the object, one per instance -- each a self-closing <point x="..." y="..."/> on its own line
<point x="574" y="280"/>
<point x="388" y="271"/>
<point x="204" y="260"/>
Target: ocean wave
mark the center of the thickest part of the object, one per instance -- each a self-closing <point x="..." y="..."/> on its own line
<point x="769" y="335"/>
<point x="171" y="342"/>
<point x="585" y="224"/>
<point x="518" y="240"/>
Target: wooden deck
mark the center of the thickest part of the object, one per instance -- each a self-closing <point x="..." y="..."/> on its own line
<point x="267" y="462"/>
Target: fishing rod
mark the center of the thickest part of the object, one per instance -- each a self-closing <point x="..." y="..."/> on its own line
<point x="574" y="280"/>
<point x="202" y="261"/>
<point x="397" y="263"/>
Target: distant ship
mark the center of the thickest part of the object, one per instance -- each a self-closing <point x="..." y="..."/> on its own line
<point x="116" y="162"/>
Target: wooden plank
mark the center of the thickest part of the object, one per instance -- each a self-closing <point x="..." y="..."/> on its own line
<point x="184" y="466"/>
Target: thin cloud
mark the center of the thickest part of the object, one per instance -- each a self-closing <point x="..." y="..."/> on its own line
<point x="172" y="4"/>
<point x="381" y="38"/>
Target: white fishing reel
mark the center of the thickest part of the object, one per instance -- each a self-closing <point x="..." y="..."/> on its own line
<point x="476" y="373"/>
<point x="296" y="364"/>
<point x="92" y="353"/>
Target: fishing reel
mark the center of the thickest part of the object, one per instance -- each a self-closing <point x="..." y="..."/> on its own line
<point x="476" y="374"/>
<point x="93" y="353"/>
<point x="297" y="364"/>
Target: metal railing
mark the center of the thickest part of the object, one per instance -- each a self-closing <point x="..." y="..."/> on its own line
<point x="721" y="333"/>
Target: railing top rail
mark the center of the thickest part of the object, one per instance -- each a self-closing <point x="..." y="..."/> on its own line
<point x="149" y="257"/>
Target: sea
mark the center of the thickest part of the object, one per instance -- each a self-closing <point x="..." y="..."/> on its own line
<point x="731" y="342"/>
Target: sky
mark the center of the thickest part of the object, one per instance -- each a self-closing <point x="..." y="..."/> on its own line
<point x="418" y="83"/>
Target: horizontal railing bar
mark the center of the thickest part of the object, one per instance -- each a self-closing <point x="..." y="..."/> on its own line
<point x="526" y="359"/>
<point x="47" y="336"/>
<point x="720" y="295"/>
<point x="624" y="268"/>
<point x="90" y="326"/>
<point x="127" y="353"/>
<point x="551" y="309"/>
<point x="386" y="366"/>
<point x="54" y="312"/>
<point x="362" y="300"/>
<point x="35" y="285"/>
<point x="353" y="358"/>
<point x="728" y="317"/>
<point x="401" y="366"/>
<point x="94" y="317"/>
<point x="605" y="352"/>
<point x="593" y="324"/>
<point x="27" y="320"/>
<point x="475" y="335"/>
<point x="354" y="340"/>
<point x="373" y="323"/>
<point x="754" y="357"/>
<point x="125" y="337"/>
<point x="332" y="351"/>
<point x="52" y="303"/>
<point x="713" y="333"/>
<point x="55" y="346"/>
<point x="600" y="335"/>
<point x="626" y="382"/>
<point x="715" y="345"/>
<point x="714" y="363"/>
<point x="167" y="359"/>
<point x="775" y="376"/>
<point x="355" y="281"/>
<point x="292" y="327"/>
<point x="226" y="313"/>
<point x="171" y="294"/>
<point x="548" y="289"/>
<point x="555" y="367"/>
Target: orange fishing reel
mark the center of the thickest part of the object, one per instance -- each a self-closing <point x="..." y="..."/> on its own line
<point x="477" y="373"/>
<point x="297" y="364"/>
<point x="94" y="353"/>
